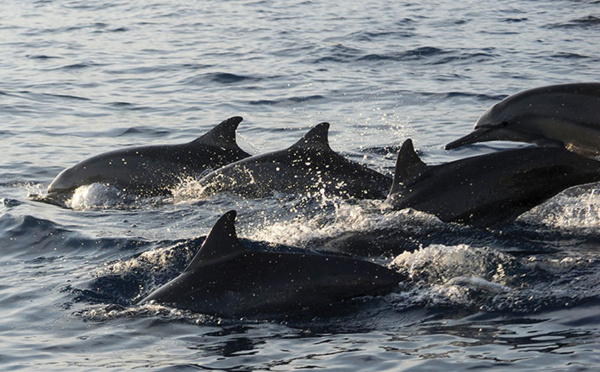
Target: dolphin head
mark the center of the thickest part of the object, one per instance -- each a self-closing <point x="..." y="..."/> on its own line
<point x="500" y="131"/>
<point x="564" y="115"/>
<point x="69" y="180"/>
<point x="481" y="134"/>
<point x="494" y="124"/>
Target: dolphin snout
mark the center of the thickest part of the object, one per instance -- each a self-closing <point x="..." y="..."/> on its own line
<point x="477" y="135"/>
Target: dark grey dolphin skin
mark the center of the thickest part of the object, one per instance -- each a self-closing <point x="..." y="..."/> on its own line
<point x="226" y="279"/>
<point x="566" y="115"/>
<point x="487" y="190"/>
<point x="153" y="170"/>
<point x="309" y="165"/>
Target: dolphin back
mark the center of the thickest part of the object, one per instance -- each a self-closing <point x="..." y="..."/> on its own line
<point x="227" y="279"/>
<point x="153" y="170"/>
<point x="307" y="166"/>
<point x="493" y="189"/>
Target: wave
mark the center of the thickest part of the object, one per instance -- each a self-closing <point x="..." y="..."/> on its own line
<point x="288" y="100"/>
<point x="45" y="96"/>
<point x="225" y="78"/>
<point x="370" y="229"/>
<point x="163" y="68"/>
<point x="23" y="236"/>
<point x="409" y="55"/>
<point x="337" y="53"/>
<point x="122" y="282"/>
<point x="588" y="22"/>
<point x="478" y="96"/>
<point x="427" y="55"/>
<point x="575" y="211"/>
<point x="370" y="36"/>
<point x="132" y="107"/>
<point x="484" y="279"/>
<point x="97" y="27"/>
<point x="78" y="66"/>
<point x="568" y="55"/>
<point x="41" y="56"/>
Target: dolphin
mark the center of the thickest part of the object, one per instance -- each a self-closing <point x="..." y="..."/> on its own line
<point x="226" y="279"/>
<point x="153" y="170"/>
<point x="309" y="165"/>
<point x="565" y="115"/>
<point x="487" y="190"/>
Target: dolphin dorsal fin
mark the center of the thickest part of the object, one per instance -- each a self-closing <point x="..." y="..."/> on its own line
<point x="221" y="243"/>
<point x="222" y="135"/>
<point x="409" y="167"/>
<point x="314" y="139"/>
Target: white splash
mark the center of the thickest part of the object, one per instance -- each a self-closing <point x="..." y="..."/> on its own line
<point x="153" y="260"/>
<point x="339" y="216"/>
<point x="96" y="195"/>
<point x="188" y="189"/>
<point x="575" y="208"/>
<point x="441" y="264"/>
<point x="103" y="313"/>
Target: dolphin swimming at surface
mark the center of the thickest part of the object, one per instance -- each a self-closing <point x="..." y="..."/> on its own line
<point x="309" y="165"/>
<point x="152" y="170"/>
<point x="565" y="115"/>
<point x="226" y="279"/>
<point x="487" y="190"/>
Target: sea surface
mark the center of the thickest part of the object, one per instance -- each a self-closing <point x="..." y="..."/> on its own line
<point x="78" y="78"/>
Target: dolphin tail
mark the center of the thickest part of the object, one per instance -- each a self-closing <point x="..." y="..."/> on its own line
<point x="409" y="167"/>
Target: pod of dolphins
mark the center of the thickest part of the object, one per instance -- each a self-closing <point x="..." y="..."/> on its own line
<point x="226" y="279"/>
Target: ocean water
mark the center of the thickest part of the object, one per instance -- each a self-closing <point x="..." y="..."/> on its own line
<point x="78" y="78"/>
